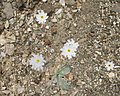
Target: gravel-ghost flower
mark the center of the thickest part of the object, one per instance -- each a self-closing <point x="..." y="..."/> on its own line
<point x="37" y="61"/>
<point x="109" y="65"/>
<point x="69" y="49"/>
<point x="41" y="17"/>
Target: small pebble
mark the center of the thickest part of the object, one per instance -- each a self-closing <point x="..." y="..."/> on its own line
<point x="44" y="0"/>
<point x="29" y="29"/>
<point x="75" y="24"/>
<point x="2" y="40"/>
<point x="54" y="20"/>
<point x="12" y="21"/>
<point x="7" y="24"/>
<point x="21" y="23"/>
<point x="2" y="54"/>
<point x="47" y="27"/>
<point x="9" y="48"/>
<point x="58" y="11"/>
<point x="111" y="75"/>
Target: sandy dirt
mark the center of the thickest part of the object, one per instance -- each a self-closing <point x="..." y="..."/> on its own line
<point x="94" y="24"/>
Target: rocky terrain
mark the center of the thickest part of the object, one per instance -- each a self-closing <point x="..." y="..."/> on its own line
<point x="93" y="24"/>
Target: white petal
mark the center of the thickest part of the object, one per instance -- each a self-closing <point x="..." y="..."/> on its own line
<point x="42" y="12"/>
<point x="116" y="66"/>
<point x="69" y="56"/>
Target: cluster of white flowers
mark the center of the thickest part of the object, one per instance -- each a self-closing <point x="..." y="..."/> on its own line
<point x="69" y="49"/>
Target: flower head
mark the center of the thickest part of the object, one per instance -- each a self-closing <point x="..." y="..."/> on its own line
<point x="109" y="65"/>
<point x="69" y="49"/>
<point x="41" y="17"/>
<point x="37" y="62"/>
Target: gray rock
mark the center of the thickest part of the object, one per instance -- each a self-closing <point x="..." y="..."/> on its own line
<point x="8" y="10"/>
<point x="54" y="20"/>
<point x="116" y="8"/>
<point x="70" y="2"/>
<point x="9" y="49"/>
<point x="7" y="24"/>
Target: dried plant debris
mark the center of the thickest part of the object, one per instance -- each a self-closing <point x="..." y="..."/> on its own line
<point x="1" y="28"/>
<point x="59" y="47"/>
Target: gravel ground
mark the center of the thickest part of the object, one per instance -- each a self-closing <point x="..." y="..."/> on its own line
<point x="94" y="24"/>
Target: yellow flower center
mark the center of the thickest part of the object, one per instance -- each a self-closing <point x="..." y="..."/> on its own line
<point x="109" y="65"/>
<point x="37" y="60"/>
<point x="68" y="50"/>
<point x="42" y="17"/>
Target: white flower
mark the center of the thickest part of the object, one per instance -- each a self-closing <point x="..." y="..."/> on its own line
<point x="109" y="65"/>
<point x="37" y="62"/>
<point x="69" y="49"/>
<point x="41" y="17"/>
<point x="62" y="2"/>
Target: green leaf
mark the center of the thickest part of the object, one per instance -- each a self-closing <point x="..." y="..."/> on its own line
<point x="64" y="70"/>
<point x="59" y="77"/>
<point x="64" y="84"/>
